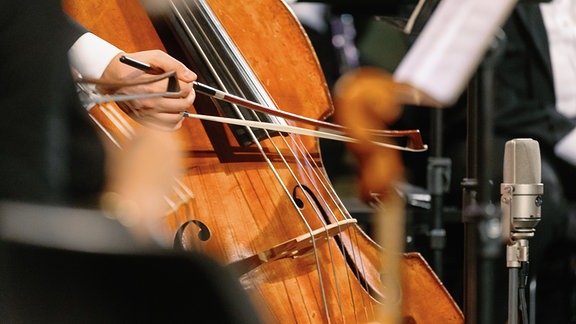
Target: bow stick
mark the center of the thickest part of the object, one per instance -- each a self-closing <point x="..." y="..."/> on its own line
<point x="414" y="143"/>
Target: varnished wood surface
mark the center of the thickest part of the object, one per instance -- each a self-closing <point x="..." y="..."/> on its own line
<point x="245" y="204"/>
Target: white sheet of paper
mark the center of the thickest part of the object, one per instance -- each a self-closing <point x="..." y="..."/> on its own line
<point x="448" y="51"/>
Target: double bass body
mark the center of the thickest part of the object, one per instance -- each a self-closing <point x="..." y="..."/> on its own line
<point x="261" y="202"/>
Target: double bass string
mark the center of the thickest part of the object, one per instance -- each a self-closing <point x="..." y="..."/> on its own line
<point x="214" y="24"/>
<point x="314" y="179"/>
<point x="217" y="94"/>
<point x="273" y="168"/>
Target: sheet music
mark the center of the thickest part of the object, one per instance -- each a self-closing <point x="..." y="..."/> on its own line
<point x="448" y="51"/>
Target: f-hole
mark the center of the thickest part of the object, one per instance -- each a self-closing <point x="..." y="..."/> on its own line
<point x="186" y="236"/>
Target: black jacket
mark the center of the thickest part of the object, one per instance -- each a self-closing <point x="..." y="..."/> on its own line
<point x="526" y="99"/>
<point x="49" y="150"/>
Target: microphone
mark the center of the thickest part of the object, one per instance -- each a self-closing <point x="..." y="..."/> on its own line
<point x="521" y="195"/>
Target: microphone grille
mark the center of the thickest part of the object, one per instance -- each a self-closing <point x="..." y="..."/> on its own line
<point x="522" y="161"/>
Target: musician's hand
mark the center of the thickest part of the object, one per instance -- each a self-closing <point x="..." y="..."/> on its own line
<point x="162" y="112"/>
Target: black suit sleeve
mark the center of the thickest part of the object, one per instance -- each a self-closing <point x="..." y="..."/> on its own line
<point x="74" y="31"/>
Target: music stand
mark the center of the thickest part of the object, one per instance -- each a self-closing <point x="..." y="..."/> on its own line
<point x="442" y="69"/>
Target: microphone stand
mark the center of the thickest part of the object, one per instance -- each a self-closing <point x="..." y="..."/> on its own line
<point x="480" y="217"/>
<point x="520" y="205"/>
<point x="517" y="263"/>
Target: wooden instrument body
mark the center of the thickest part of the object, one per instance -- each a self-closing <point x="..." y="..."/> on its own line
<point x="235" y="202"/>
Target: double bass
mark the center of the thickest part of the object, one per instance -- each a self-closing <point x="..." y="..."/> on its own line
<point x="256" y="200"/>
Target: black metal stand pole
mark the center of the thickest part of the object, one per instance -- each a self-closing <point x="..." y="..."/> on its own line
<point x="438" y="182"/>
<point x="480" y="217"/>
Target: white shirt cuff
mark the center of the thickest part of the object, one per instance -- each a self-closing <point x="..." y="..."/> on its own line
<point x="566" y="148"/>
<point x="90" y="55"/>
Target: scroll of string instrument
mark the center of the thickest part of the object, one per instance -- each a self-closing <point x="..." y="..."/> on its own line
<point x="258" y="200"/>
